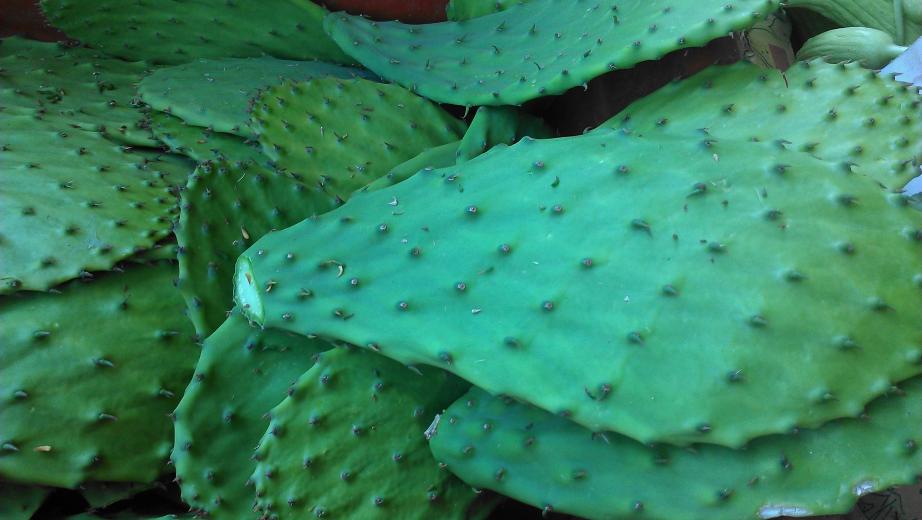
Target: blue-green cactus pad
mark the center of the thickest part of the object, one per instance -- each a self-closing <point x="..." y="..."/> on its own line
<point x="88" y="375"/>
<point x="499" y="125"/>
<point x="74" y="202"/>
<point x="81" y="86"/>
<point x="241" y="375"/>
<point x="348" y="442"/>
<point x="179" y="31"/>
<point x="554" y="464"/>
<point x="224" y="209"/>
<point x="840" y="113"/>
<point x="217" y="93"/>
<point x="662" y="288"/>
<point x="535" y="49"/>
<point x="202" y="144"/>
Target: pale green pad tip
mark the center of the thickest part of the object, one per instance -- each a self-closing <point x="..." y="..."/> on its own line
<point x="840" y="113"/>
<point x="225" y="207"/>
<point x="242" y="374"/>
<point x="603" y="269"/>
<point x="179" y="31"/>
<point x="89" y="375"/>
<point x="551" y="463"/>
<point x="74" y="201"/>
<point x="492" y="126"/>
<point x="340" y="135"/>
<point x="202" y="144"/>
<point x="535" y="49"/>
<point x="81" y="86"/>
<point x="348" y="442"/>
<point x="216" y="93"/>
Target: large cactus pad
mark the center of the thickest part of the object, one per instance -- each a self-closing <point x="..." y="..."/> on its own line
<point x="179" y="31"/>
<point x="348" y="443"/>
<point x="74" y="202"/>
<point x="88" y="375"/>
<point x="242" y="374"/>
<point x="554" y="464"/>
<point x="840" y="113"/>
<point x="535" y="49"/>
<point x="592" y="275"/>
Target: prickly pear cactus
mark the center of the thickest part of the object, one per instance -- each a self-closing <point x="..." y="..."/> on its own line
<point x="202" y="144"/>
<point x="348" y="442"/>
<point x="89" y="374"/>
<point x="535" y="49"/>
<point x="82" y="86"/>
<point x="554" y="464"/>
<point x="458" y="10"/>
<point x="179" y="31"/>
<point x="438" y="157"/>
<point x="216" y="93"/>
<point x="74" y="202"/>
<point x="224" y="209"/>
<point x="242" y="374"/>
<point x="841" y="113"/>
<point x="20" y="502"/>
<point x="900" y="18"/>
<point x="607" y="268"/>
<point x="499" y="125"/>
<point x="339" y="135"/>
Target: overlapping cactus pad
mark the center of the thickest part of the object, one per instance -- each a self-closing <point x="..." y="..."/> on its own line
<point x="217" y="93"/>
<point x="202" y="144"/>
<point x="84" y="87"/>
<point x="180" y="31"/>
<point x="85" y="403"/>
<point x="841" y="113"/>
<point x="621" y="266"/>
<point x="535" y="49"/>
<point x="339" y="135"/>
<point x="553" y="464"/>
<point x="348" y="443"/>
<point x="242" y="374"/>
<point x="225" y="208"/>
<point x="75" y="202"/>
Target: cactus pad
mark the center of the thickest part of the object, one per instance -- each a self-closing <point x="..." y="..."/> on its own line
<point x="554" y="464"/>
<point x="202" y="144"/>
<point x="179" y="31"/>
<point x="89" y="374"/>
<point x="217" y="93"/>
<point x="840" y="113"/>
<point x="603" y="269"/>
<point x="82" y="86"/>
<point x="20" y="502"/>
<point x="75" y="202"/>
<point x="342" y="134"/>
<point x="458" y="10"/>
<point x="499" y="125"/>
<point x="438" y="157"/>
<point x="225" y="208"/>
<point x="535" y="49"/>
<point x="348" y="443"/>
<point x="242" y="374"/>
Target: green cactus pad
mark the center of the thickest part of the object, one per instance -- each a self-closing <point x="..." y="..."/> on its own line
<point x="179" y="31"/>
<point x="889" y="16"/>
<point x="100" y="495"/>
<point x="602" y="270"/>
<point x="342" y="134"/>
<point x="224" y="209"/>
<point x="539" y="48"/>
<point x="840" y="113"/>
<point x="437" y="157"/>
<point x="554" y="464"/>
<point x="74" y="202"/>
<point x="349" y="442"/>
<point x="20" y="502"/>
<point x="82" y="86"/>
<point x="242" y="374"/>
<point x="89" y="374"/>
<point x="499" y="125"/>
<point x="217" y="93"/>
<point x="202" y="144"/>
<point x="458" y="10"/>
